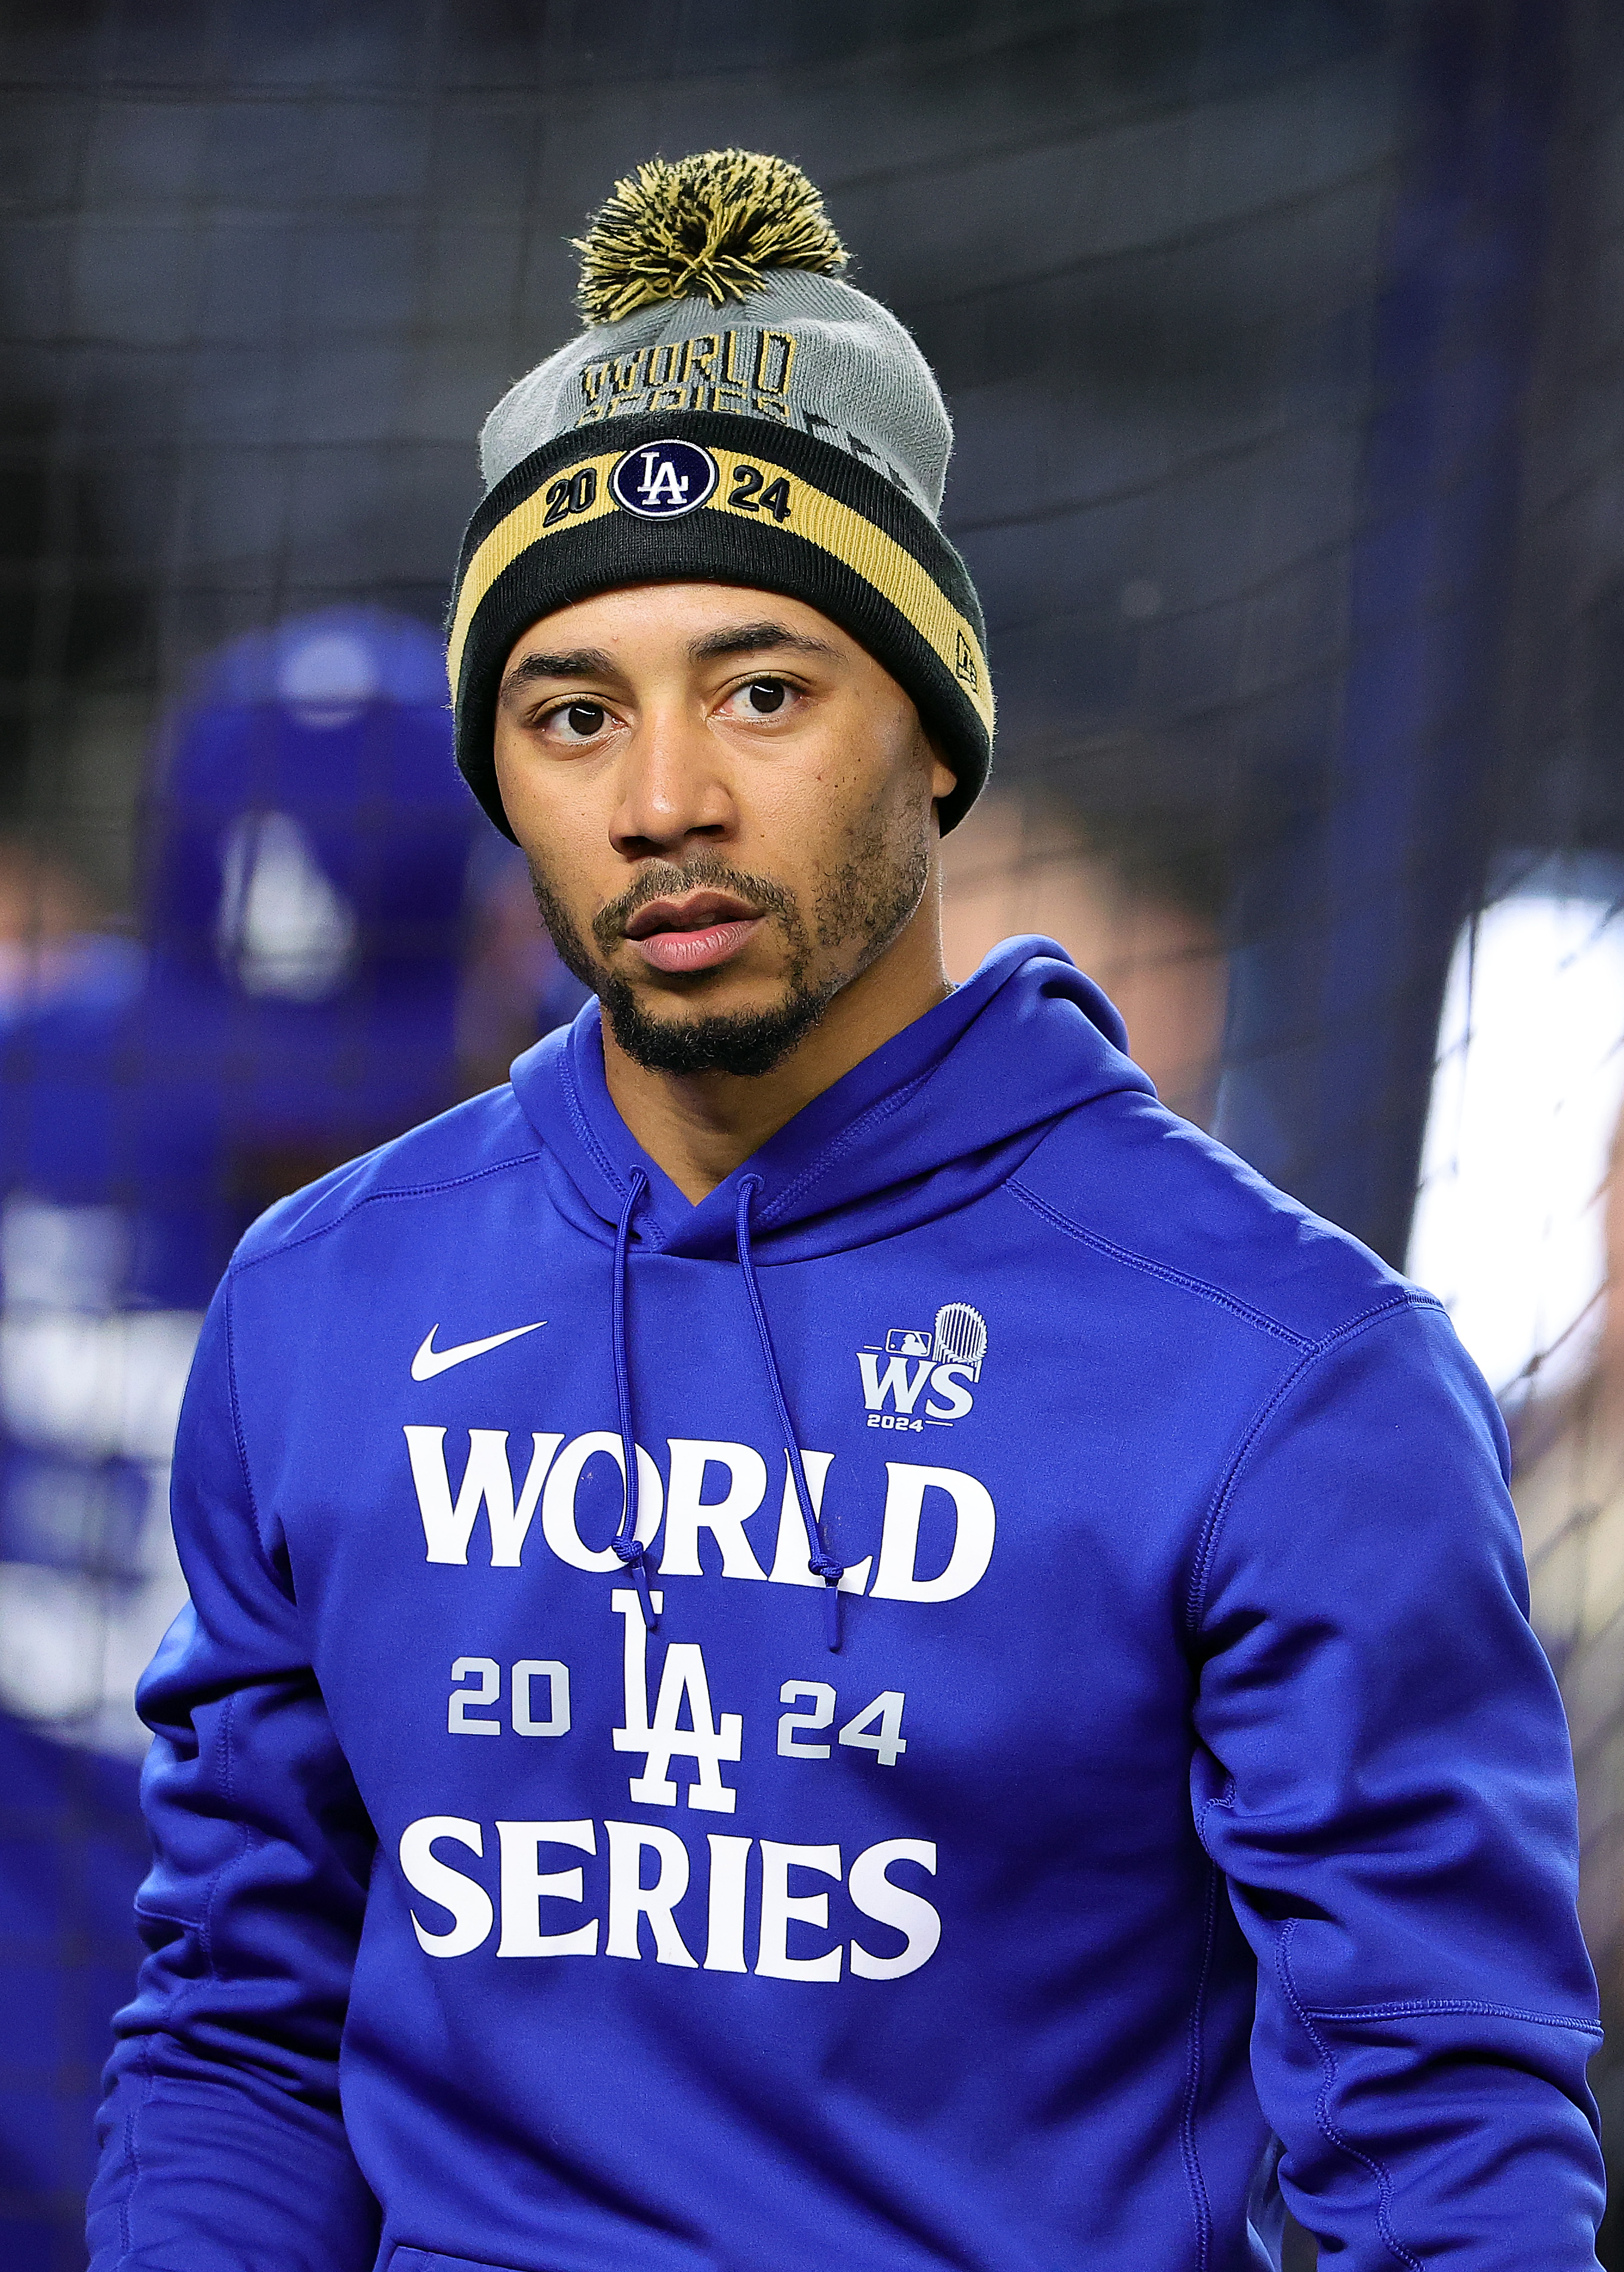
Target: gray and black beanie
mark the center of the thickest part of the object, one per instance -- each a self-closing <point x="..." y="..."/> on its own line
<point x="733" y="414"/>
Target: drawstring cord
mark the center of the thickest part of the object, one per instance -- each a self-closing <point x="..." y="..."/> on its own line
<point x="632" y="1553"/>
<point x="629" y="1550"/>
<point x="821" y="1561"/>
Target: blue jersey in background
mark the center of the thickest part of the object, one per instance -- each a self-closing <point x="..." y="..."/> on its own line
<point x="323" y="936"/>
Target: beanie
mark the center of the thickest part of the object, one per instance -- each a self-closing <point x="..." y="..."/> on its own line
<point x="733" y="413"/>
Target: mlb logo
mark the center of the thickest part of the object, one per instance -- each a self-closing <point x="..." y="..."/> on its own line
<point x="901" y="1340"/>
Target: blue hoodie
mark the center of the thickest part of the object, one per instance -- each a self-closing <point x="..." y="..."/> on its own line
<point x="1185" y="1816"/>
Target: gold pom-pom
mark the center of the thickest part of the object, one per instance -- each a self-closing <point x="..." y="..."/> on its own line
<point x="711" y="224"/>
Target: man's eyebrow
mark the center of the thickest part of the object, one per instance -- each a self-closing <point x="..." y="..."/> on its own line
<point x="757" y="639"/>
<point x="578" y="663"/>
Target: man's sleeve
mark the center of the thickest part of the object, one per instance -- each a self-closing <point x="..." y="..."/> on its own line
<point x="221" y="2140"/>
<point x="1383" y="1775"/>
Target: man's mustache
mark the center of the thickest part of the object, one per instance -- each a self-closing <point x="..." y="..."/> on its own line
<point x="669" y="880"/>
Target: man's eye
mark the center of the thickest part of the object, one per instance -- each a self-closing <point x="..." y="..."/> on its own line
<point x="583" y="718"/>
<point x="767" y="695"/>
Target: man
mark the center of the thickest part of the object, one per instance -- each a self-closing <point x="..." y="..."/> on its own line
<point x="820" y="1637"/>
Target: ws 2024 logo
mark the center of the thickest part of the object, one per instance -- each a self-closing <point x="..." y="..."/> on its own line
<point x="941" y="1362"/>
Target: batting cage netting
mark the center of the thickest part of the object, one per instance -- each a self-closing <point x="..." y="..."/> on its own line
<point x="1282" y="341"/>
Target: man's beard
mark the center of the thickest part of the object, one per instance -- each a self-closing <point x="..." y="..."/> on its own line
<point x="864" y="903"/>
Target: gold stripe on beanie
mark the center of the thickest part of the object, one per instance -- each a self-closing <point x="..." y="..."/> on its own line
<point x="813" y="515"/>
<point x="535" y="517"/>
<point x="880" y="561"/>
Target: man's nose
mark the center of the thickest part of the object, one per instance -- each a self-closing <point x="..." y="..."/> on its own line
<point x="673" y="785"/>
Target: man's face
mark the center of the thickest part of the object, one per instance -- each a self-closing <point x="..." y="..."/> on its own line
<point x="727" y="807"/>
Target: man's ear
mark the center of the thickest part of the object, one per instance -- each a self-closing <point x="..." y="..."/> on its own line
<point x="944" y="781"/>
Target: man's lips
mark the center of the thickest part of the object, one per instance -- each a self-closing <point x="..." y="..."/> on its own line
<point x="696" y="933"/>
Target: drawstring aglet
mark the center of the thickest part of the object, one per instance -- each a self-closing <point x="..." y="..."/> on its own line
<point x="637" y="1562"/>
<point x="831" y="1600"/>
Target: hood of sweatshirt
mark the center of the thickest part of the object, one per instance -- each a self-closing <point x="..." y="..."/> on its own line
<point x="927" y="1124"/>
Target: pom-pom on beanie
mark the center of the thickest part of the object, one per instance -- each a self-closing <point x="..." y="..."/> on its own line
<point x="733" y="413"/>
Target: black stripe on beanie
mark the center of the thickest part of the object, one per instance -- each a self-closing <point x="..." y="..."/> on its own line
<point x="572" y="561"/>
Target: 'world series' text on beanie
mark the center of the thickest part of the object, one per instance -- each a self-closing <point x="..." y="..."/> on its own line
<point x="734" y="413"/>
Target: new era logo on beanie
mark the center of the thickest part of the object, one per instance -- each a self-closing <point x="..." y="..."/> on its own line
<point x="733" y="413"/>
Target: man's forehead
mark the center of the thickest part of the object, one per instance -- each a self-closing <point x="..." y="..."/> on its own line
<point x="753" y="624"/>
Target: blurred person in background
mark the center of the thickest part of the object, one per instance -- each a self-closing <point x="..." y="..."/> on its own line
<point x="1569" y="1493"/>
<point x="513" y="985"/>
<point x="55" y="947"/>
<point x="1519" y="1229"/>
<point x="324" y="960"/>
<point x="295" y="998"/>
<point x="1142" y="922"/>
<point x="308" y="891"/>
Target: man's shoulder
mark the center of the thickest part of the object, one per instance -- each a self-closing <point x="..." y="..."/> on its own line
<point x="1151" y="1192"/>
<point x="483" y="1138"/>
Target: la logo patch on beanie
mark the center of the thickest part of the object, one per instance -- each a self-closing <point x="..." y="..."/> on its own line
<point x="657" y="480"/>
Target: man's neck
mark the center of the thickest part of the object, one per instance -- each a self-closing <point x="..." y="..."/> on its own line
<point x="700" y="1127"/>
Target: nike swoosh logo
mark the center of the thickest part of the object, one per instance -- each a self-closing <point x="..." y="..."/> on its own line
<point x="429" y="1361"/>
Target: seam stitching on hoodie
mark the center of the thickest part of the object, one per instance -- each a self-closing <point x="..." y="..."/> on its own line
<point x="206" y="1923"/>
<point x="1223" y="1799"/>
<point x="1164" y="1271"/>
<point x="584" y="1128"/>
<point x="239" y="1264"/>
<point x="236" y="1408"/>
<point x="1199" y="2203"/>
<point x="877" y="1114"/>
<point x="241" y="1433"/>
<point x="1418" y="2006"/>
<point x="132" y="2151"/>
<point x="206" y="1928"/>
<point x="1377" y="2168"/>
<point x="1224" y="1496"/>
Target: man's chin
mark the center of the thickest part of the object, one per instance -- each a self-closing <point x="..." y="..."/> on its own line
<point x="705" y="1036"/>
